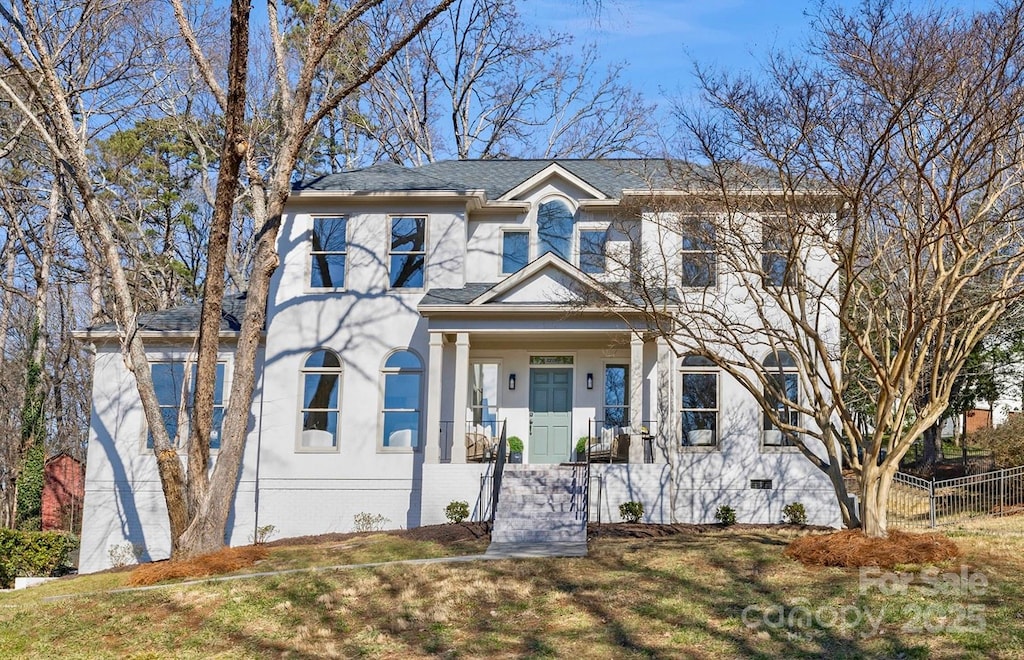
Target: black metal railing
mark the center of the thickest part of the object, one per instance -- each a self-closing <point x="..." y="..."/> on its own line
<point x="499" y="469"/>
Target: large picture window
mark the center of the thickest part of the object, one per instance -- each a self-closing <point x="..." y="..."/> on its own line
<point x="328" y="250"/>
<point x="171" y="387"/>
<point x="781" y="369"/>
<point x="698" y="411"/>
<point x="321" y="401"/>
<point x="403" y="377"/>
<point x="408" y="252"/>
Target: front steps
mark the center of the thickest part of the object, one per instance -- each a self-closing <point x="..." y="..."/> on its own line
<point x="540" y="512"/>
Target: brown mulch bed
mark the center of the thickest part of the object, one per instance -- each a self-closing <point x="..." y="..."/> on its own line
<point x="850" y="548"/>
<point x="655" y="530"/>
<point x="215" y="563"/>
<point x="451" y="533"/>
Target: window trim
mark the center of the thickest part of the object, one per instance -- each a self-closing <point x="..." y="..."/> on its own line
<point x="384" y="371"/>
<point x="700" y="369"/>
<point x="310" y="253"/>
<point x="390" y="253"/>
<point x="303" y="371"/>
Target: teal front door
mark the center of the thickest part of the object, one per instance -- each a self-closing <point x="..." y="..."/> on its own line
<point x="550" y="415"/>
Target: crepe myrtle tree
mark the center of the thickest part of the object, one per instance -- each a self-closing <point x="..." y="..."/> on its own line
<point x="855" y="225"/>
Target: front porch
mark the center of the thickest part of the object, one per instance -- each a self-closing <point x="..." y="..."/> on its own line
<point x="550" y="388"/>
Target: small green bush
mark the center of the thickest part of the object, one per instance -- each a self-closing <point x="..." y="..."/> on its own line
<point x="581" y="445"/>
<point x="456" y="511"/>
<point x="36" y="554"/>
<point x="515" y="445"/>
<point x="794" y="514"/>
<point x="631" y="512"/>
<point x="726" y="515"/>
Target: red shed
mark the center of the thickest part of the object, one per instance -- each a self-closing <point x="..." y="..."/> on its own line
<point x="63" y="490"/>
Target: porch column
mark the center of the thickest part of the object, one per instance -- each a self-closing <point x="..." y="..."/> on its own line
<point x="636" y="398"/>
<point x="665" y="442"/>
<point x="461" y="397"/>
<point x="435" y="372"/>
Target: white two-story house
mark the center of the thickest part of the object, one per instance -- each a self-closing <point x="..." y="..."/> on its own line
<point x="415" y="312"/>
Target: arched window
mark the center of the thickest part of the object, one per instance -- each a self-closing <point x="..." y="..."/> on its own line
<point x="554" y="229"/>
<point x="321" y="401"/>
<point x="698" y="411"/>
<point x="781" y="396"/>
<point x="403" y="379"/>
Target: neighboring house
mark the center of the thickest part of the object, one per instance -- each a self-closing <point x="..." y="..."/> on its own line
<point x="63" y="489"/>
<point x="415" y="310"/>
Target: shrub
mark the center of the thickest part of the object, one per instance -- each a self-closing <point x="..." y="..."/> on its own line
<point x="726" y="515"/>
<point x="369" y="522"/>
<point x="581" y="445"/>
<point x="794" y="514"/>
<point x="1006" y="442"/>
<point x="456" y="511"/>
<point x="515" y="445"/>
<point x="631" y="512"/>
<point x="36" y="554"/>
<point x="125" y="554"/>
<point x="263" y="534"/>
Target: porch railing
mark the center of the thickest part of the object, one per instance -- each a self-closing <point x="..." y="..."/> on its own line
<point x="610" y="455"/>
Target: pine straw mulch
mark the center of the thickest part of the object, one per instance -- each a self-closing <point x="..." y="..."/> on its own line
<point x="215" y="563"/>
<point x="443" y="534"/>
<point x="849" y="548"/>
<point x="643" y="530"/>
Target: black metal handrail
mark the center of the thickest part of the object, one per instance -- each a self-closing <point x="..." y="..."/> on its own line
<point x="499" y="468"/>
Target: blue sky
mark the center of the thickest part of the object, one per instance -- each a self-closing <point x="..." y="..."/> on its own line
<point x="660" y="39"/>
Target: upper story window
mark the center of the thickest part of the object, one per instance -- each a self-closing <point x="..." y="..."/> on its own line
<point x="782" y="373"/>
<point x="593" y="243"/>
<point x="328" y="249"/>
<point x="699" y="402"/>
<point x="698" y="254"/>
<point x="407" y="252"/>
<point x="515" y="250"/>
<point x="172" y="388"/>
<point x="403" y="379"/>
<point x="776" y="255"/>
<point x="321" y="401"/>
<point x="555" y="222"/>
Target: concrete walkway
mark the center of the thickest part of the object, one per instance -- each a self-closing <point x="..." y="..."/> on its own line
<point x="504" y="551"/>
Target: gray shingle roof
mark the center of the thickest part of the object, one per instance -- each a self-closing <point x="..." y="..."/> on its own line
<point x="186" y="317"/>
<point x="460" y="296"/>
<point x="497" y="177"/>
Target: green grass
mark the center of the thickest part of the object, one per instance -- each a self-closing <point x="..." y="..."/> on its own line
<point x="681" y="596"/>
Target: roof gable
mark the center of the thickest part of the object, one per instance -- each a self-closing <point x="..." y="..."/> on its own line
<point x="549" y="280"/>
<point x="552" y="171"/>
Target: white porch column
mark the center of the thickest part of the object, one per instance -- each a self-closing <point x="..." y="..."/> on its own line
<point x="435" y="380"/>
<point x="666" y="442"/>
<point x="461" y="397"/>
<point x="636" y="398"/>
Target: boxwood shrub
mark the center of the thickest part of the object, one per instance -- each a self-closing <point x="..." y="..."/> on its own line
<point x="37" y="554"/>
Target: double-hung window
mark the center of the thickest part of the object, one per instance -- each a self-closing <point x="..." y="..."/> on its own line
<point x="776" y="257"/>
<point x="697" y="254"/>
<point x="515" y="250"/>
<point x="699" y="402"/>
<point x="172" y="389"/>
<point x="321" y="399"/>
<point x="403" y="379"/>
<point x="328" y="251"/>
<point x="407" y="252"/>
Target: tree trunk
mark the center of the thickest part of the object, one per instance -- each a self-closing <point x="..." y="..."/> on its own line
<point x="876" y="483"/>
<point x="932" y="447"/>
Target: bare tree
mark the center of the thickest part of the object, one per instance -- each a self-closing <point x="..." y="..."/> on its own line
<point x="862" y="214"/>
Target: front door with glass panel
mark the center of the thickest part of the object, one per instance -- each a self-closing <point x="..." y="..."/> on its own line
<point x="550" y="415"/>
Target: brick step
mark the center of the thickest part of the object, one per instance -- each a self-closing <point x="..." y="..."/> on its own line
<point x="519" y="504"/>
<point x="537" y="536"/>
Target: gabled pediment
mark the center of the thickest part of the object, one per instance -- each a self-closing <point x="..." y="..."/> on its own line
<point x="550" y="280"/>
<point x="554" y="171"/>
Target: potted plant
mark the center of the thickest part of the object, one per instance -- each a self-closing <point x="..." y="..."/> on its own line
<point x="581" y="448"/>
<point x="515" y="450"/>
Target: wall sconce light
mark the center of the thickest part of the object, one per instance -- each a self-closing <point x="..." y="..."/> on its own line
<point x="511" y="381"/>
<point x="590" y="381"/>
